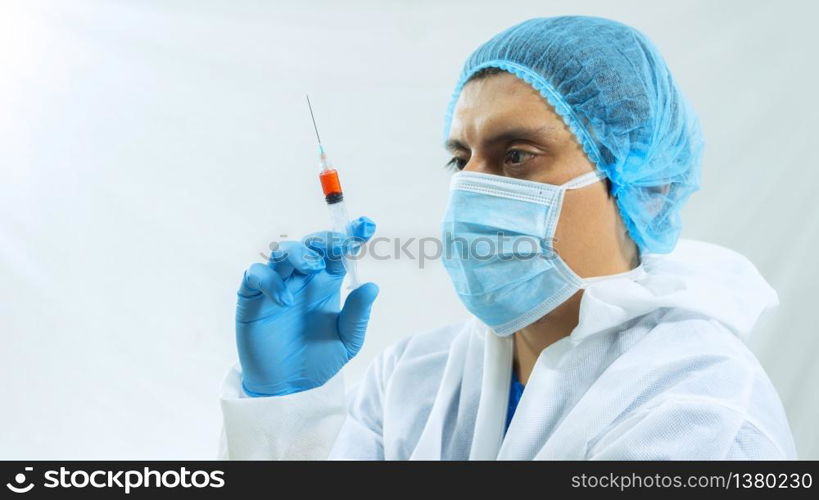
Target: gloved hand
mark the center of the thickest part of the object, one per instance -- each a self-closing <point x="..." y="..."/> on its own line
<point x="290" y="332"/>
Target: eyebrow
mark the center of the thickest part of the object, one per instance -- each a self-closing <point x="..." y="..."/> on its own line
<point x="517" y="133"/>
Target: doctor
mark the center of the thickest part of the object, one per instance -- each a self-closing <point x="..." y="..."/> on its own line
<point x="595" y="333"/>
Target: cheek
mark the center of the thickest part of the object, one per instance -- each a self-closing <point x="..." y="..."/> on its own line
<point x="588" y="217"/>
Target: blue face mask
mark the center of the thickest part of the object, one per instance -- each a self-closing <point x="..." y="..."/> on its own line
<point x="497" y="237"/>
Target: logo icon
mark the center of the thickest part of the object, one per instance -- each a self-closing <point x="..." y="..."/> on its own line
<point x="20" y="478"/>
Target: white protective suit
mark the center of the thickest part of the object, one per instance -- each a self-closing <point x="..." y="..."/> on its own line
<point x="655" y="369"/>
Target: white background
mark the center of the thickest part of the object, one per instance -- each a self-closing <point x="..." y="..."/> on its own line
<point x="150" y="150"/>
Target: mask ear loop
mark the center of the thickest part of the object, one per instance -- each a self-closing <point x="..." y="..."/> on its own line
<point x="578" y="182"/>
<point x="581" y="182"/>
<point x="584" y="180"/>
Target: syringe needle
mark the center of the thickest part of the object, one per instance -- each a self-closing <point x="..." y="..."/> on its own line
<point x="313" y="118"/>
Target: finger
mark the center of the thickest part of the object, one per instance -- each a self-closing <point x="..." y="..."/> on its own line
<point x="362" y="229"/>
<point x="332" y="247"/>
<point x="260" y="278"/>
<point x="355" y="315"/>
<point x="295" y="256"/>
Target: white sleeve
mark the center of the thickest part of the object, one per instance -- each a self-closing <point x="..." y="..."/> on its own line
<point x="685" y="429"/>
<point x="751" y="443"/>
<point x="361" y="437"/>
<point x="300" y="426"/>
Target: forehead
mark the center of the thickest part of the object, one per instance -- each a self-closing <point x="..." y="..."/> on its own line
<point x="499" y="101"/>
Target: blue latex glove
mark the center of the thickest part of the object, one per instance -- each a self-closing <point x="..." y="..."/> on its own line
<point x="290" y="332"/>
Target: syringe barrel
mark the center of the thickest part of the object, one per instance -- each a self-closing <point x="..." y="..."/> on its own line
<point x="340" y="222"/>
<point x="331" y="186"/>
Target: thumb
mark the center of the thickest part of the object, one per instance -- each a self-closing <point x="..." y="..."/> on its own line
<point x="354" y="316"/>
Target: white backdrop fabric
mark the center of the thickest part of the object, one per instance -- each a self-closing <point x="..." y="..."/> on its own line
<point x="149" y="151"/>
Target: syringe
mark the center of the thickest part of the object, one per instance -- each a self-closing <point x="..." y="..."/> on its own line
<point x="331" y="186"/>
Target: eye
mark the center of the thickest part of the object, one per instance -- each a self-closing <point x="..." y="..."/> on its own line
<point x="517" y="156"/>
<point x="456" y="164"/>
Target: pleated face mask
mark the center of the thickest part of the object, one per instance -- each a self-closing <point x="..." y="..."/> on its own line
<point x="498" y="235"/>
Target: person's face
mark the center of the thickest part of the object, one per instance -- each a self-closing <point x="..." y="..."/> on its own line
<point x="503" y="126"/>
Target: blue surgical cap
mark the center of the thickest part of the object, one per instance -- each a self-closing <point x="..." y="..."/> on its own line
<point x="614" y="91"/>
